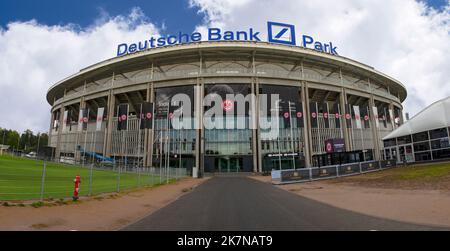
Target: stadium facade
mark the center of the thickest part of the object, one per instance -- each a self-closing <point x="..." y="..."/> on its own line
<point x="339" y="109"/>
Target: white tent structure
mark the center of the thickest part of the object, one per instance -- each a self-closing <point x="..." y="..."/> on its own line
<point x="435" y="116"/>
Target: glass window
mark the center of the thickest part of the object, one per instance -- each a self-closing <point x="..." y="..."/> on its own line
<point x="389" y="142"/>
<point x="438" y="133"/>
<point x="421" y="136"/>
<point x="404" y="140"/>
<point x="441" y="154"/>
<point x="423" y="156"/>
<point x="440" y="143"/>
<point x="424" y="146"/>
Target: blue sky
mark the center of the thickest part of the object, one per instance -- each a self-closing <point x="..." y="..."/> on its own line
<point x="176" y="15"/>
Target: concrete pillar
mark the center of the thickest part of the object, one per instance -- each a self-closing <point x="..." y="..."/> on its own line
<point x="150" y="132"/>
<point x="342" y="102"/>
<point x="375" y="132"/>
<point x="308" y="132"/>
<point x="199" y="140"/>
<point x="306" y="126"/>
<point x="109" y="129"/>
<point x="58" y="137"/>
<point x="78" y="140"/>
<point x="258" y="132"/>
<point x="255" y="144"/>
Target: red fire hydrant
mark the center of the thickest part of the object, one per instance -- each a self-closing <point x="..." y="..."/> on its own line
<point x="76" y="190"/>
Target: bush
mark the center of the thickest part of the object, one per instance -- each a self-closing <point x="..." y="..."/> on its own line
<point x="37" y="204"/>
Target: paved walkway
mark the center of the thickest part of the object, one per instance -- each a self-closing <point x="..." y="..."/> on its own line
<point x="241" y="203"/>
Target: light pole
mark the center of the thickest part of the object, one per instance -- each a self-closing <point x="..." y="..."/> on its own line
<point x="37" y="151"/>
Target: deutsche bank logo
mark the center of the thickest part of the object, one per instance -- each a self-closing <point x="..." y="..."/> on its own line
<point x="281" y="33"/>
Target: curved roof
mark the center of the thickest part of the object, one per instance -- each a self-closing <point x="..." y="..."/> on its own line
<point x="106" y="67"/>
<point x="435" y="116"/>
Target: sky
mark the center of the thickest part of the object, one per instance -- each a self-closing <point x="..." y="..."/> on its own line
<point x="42" y="42"/>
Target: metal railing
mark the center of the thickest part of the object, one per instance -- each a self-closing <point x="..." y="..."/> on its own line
<point x="329" y="172"/>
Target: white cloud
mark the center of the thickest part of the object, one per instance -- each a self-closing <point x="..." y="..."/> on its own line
<point x="404" y="38"/>
<point x="35" y="56"/>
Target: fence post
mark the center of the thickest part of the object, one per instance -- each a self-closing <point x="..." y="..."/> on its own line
<point x="43" y="181"/>
<point x="90" y="179"/>
<point x="118" y="178"/>
<point x="360" y="169"/>
<point x="310" y="173"/>
<point x="337" y="170"/>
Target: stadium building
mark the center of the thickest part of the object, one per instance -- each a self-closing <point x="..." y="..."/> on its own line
<point x="338" y="110"/>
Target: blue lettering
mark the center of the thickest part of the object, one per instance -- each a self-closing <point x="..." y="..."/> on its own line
<point x="241" y="33"/>
<point x="307" y="40"/>
<point x="152" y="42"/>
<point x="132" y="48"/>
<point x="214" y="34"/>
<point x="318" y="46"/>
<point x="333" y="49"/>
<point x="183" y="36"/>
<point x="254" y="36"/>
<point x="228" y="35"/>
<point x="196" y="36"/>
<point x="143" y="47"/>
<point x="122" y="49"/>
<point x="171" y="40"/>
<point x="161" y="41"/>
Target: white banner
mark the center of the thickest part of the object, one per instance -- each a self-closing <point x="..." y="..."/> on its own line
<point x="80" y="120"/>
<point x="64" y="126"/>
<point x="357" y="116"/>
<point x="375" y="114"/>
<point x="391" y="116"/>
<point x="100" y="112"/>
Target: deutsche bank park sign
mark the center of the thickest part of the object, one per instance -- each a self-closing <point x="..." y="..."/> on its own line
<point x="276" y="33"/>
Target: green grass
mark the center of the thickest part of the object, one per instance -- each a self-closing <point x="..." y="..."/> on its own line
<point x="20" y="179"/>
<point x="422" y="171"/>
<point x="426" y="176"/>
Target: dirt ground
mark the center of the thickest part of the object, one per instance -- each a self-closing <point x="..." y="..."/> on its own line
<point x="103" y="212"/>
<point x="414" y="204"/>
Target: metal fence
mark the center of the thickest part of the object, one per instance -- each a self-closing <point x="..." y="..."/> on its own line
<point x="329" y="172"/>
<point x="31" y="179"/>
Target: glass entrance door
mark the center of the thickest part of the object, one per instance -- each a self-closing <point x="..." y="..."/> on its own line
<point x="229" y="164"/>
<point x="406" y="153"/>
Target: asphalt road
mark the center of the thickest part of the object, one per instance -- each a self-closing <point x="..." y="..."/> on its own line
<point x="240" y="203"/>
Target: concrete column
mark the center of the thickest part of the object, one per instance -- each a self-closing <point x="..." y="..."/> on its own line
<point x="342" y="102"/>
<point x="199" y="140"/>
<point x="109" y="129"/>
<point x="348" y="130"/>
<point x="78" y="137"/>
<point x="307" y="125"/>
<point x="58" y="139"/>
<point x="150" y="132"/>
<point x="258" y="132"/>
<point x="375" y="132"/>
<point x="255" y="144"/>
<point x="308" y="132"/>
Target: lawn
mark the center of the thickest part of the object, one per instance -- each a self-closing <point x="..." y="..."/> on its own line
<point x="20" y="179"/>
<point x="425" y="176"/>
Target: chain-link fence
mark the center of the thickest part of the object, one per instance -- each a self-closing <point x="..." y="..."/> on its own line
<point x="22" y="178"/>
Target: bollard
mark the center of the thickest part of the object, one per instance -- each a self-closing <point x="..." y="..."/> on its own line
<point x="76" y="189"/>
